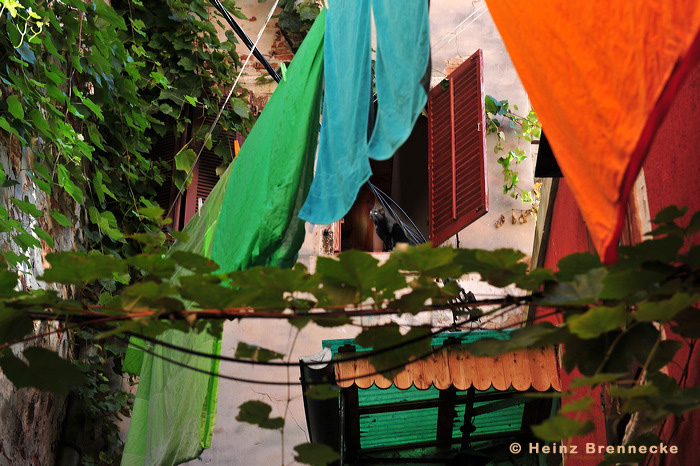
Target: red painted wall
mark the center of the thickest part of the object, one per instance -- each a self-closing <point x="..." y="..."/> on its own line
<point x="672" y="174"/>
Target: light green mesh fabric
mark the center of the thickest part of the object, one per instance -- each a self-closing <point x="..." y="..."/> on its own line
<point x="250" y="218"/>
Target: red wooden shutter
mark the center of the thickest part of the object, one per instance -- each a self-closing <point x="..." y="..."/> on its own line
<point x="166" y="194"/>
<point x="204" y="176"/>
<point x="457" y="178"/>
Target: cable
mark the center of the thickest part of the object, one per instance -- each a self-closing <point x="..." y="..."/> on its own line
<point x="364" y="355"/>
<point x="334" y="382"/>
<point x="218" y="115"/>
<point x="246" y="40"/>
<point x="411" y="233"/>
<point x="463" y="29"/>
<point x="455" y="28"/>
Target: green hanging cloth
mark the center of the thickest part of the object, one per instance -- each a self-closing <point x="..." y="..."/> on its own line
<point x="249" y="219"/>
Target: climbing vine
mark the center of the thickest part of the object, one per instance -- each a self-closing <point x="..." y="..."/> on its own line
<point x="499" y="119"/>
<point x="86" y="90"/>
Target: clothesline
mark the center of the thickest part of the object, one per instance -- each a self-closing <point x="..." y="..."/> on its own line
<point x="221" y="110"/>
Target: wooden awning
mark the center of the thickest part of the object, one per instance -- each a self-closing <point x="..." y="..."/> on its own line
<point x="531" y="369"/>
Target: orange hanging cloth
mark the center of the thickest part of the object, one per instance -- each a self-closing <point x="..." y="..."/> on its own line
<point x="601" y="77"/>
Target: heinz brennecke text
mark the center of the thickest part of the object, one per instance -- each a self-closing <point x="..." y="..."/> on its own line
<point x="593" y="449"/>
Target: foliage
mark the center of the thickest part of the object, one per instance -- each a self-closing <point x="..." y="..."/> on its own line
<point x="298" y="16"/>
<point x="87" y="90"/>
<point x="99" y="398"/>
<point x="94" y="91"/>
<point x="527" y="128"/>
<point x="608" y="327"/>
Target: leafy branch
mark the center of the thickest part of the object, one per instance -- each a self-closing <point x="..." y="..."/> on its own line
<point x="499" y="116"/>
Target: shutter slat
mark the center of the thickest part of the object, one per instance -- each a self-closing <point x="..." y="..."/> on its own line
<point x="458" y="187"/>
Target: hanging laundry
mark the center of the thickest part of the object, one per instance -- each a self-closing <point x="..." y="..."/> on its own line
<point x="402" y="58"/>
<point x="250" y="218"/>
<point x="601" y="77"/>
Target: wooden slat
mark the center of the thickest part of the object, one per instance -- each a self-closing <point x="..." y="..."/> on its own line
<point x="540" y="380"/>
<point x="363" y="367"/>
<point x="484" y="373"/>
<point x="552" y="369"/>
<point x="419" y="376"/>
<point x="498" y="379"/>
<point x="345" y="373"/>
<point x="507" y="375"/>
<point x="518" y="363"/>
<point x="456" y="362"/>
<point x="382" y="382"/>
<point x="403" y="380"/>
<point x="440" y="369"/>
<point x="454" y="367"/>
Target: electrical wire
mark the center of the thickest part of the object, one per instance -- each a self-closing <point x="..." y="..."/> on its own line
<point x="334" y="382"/>
<point x="456" y="27"/>
<point x="463" y="29"/>
<point x="413" y="234"/>
<point x="363" y="355"/>
<point x="221" y="110"/>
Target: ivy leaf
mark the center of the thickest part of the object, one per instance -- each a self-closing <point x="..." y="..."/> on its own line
<point x="154" y="264"/>
<point x="583" y="289"/>
<point x="60" y="218"/>
<point x="559" y="427"/>
<point x="45" y="370"/>
<point x="434" y="262"/>
<point x="27" y="207"/>
<point x="106" y="221"/>
<point x="194" y="262"/>
<point x="533" y="336"/>
<point x="64" y="181"/>
<point x="241" y="107"/>
<point x="663" y="311"/>
<point x="42" y="234"/>
<point x="388" y="336"/>
<point x="185" y="159"/>
<point x="26" y="241"/>
<point x="669" y="214"/>
<point x="576" y="264"/>
<point x="14" y="324"/>
<point x="15" y="107"/>
<point x="256" y="353"/>
<point x="73" y="268"/>
<point x="597" y="379"/>
<point x="664" y="354"/>
<point x="621" y="284"/>
<point x="317" y="454"/>
<point x="93" y="108"/>
<point x="582" y="404"/>
<point x="323" y="392"/>
<point x="258" y="413"/>
<point x="100" y="188"/>
<point x="597" y="320"/>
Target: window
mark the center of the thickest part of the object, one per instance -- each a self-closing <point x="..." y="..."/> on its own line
<point x="204" y="174"/>
<point x="438" y="176"/>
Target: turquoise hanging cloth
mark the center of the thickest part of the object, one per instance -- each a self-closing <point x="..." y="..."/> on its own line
<point x="403" y="54"/>
<point x="250" y="218"/>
